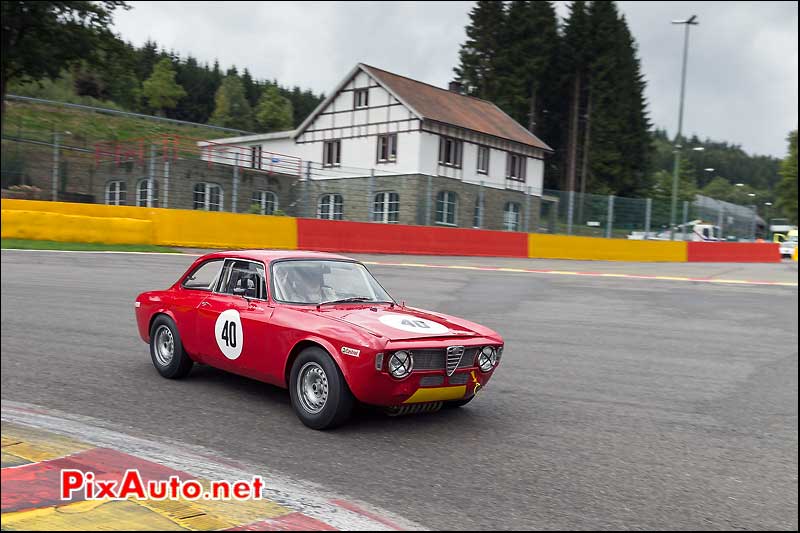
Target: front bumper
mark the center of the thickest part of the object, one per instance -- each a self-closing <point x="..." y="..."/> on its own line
<point x="386" y="391"/>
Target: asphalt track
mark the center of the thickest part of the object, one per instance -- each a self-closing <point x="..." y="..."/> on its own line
<point x="621" y="403"/>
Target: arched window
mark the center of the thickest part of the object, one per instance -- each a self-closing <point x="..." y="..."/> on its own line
<point x="330" y="207"/>
<point x="141" y="193"/>
<point x="511" y="216"/>
<point x="208" y="196"/>
<point x="446" y="205"/>
<point x="267" y="201"/>
<point x="386" y="207"/>
<point x="116" y="192"/>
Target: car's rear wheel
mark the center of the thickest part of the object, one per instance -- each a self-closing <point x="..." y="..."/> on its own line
<point x="166" y="349"/>
<point x="320" y="395"/>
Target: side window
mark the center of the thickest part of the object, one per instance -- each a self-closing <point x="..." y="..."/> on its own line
<point x="243" y="278"/>
<point x="204" y="276"/>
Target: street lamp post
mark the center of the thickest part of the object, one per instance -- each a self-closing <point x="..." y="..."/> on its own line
<point x="691" y="21"/>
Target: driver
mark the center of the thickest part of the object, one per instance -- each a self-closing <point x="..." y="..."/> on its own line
<point x="305" y="284"/>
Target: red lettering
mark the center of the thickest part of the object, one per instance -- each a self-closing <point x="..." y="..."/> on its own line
<point x="71" y="480"/>
<point x="220" y="490"/>
<point x="241" y="490"/>
<point x="192" y="490"/>
<point x="131" y="485"/>
<point x="258" y="485"/>
<point x="105" y="489"/>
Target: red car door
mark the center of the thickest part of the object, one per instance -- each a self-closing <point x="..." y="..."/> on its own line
<point x="233" y="321"/>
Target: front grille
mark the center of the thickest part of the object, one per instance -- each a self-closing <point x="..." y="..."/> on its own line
<point x="431" y="381"/>
<point x="459" y="379"/>
<point x="436" y="358"/>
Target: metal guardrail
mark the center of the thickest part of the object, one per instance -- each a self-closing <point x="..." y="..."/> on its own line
<point x="108" y="111"/>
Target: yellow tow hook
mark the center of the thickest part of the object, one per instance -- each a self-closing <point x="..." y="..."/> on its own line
<point x="477" y="383"/>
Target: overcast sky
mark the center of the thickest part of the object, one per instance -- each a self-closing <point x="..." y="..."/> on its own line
<point x="741" y="80"/>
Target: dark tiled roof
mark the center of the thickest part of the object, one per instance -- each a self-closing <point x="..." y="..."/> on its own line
<point x="449" y="107"/>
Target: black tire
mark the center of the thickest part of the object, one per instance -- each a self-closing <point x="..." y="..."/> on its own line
<point x="180" y="364"/>
<point x="338" y="401"/>
<point x="453" y="404"/>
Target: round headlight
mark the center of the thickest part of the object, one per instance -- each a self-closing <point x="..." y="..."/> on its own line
<point x="487" y="358"/>
<point x="400" y="364"/>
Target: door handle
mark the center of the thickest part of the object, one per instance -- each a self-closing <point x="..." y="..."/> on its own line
<point x="204" y="304"/>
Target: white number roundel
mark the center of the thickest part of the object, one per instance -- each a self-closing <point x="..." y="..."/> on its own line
<point x="413" y="324"/>
<point x="229" y="334"/>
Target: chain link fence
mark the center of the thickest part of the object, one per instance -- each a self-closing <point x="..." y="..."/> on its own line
<point x="170" y="172"/>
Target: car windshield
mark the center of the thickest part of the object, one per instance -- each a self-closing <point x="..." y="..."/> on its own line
<point x="320" y="281"/>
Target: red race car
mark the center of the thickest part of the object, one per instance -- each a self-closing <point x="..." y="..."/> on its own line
<point x="322" y="326"/>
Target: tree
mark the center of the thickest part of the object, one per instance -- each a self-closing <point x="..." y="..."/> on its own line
<point x="40" y="39"/>
<point x="787" y="188"/>
<point x="479" y="69"/>
<point x="160" y="89"/>
<point x="252" y="91"/>
<point x="719" y="188"/>
<point x="574" y="63"/>
<point x="526" y="64"/>
<point x="231" y="107"/>
<point x="687" y="183"/>
<point x="273" y="112"/>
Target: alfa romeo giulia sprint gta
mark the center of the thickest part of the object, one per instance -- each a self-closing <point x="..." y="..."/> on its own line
<point x="320" y="325"/>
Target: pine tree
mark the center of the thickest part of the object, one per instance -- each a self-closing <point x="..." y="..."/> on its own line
<point x="160" y="89"/>
<point x="274" y="112"/>
<point x="479" y="70"/>
<point x="251" y="89"/>
<point x="231" y="107"/>
<point x="619" y="150"/>
<point x="527" y="80"/>
<point x="574" y="63"/>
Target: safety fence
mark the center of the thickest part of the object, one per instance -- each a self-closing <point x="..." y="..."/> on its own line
<point x="75" y="222"/>
<point x="185" y="173"/>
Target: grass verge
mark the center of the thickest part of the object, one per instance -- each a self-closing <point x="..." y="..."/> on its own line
<point x="24" y="244"/>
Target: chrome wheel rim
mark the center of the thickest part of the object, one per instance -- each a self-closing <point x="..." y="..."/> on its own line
<point x="165" y="345"/>
<point x="312" y="387"/>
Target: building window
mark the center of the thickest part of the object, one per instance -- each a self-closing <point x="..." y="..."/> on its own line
<point x="511" y="216"/>
<point x="208" y="197"/>
<point x="142" y="189"/>
<point x="255" y="157"/>
<point x="360" y="98"/>
<point x="515" y="168"/>
<point x="331" y="153"/>
<point x="330" y="207"/>
<point x="450" y="151"/>
<point x="446" y="205"/>
<point x="387" y="148"/>
<point x="477" y="215"/>
<point x="116" y="192"/>
<point x="483" y="159"/>
<point x="386" y="208"/>
<point x="267" y="202"/>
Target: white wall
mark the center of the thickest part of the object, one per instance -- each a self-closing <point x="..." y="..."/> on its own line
<point x="496" y="177"/>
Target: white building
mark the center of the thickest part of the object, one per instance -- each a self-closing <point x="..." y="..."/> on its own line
<point x="376" y="119"/>
<point x="376" y="122"/>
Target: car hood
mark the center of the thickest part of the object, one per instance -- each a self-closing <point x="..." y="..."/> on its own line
<point x="404" y="323"/>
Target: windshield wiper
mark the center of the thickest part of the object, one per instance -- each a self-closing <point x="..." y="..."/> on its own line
<point x="353" y="300"/>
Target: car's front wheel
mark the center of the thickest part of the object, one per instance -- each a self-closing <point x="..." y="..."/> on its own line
<point x="320" y="395"/>
<point x="166" y="349"/>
